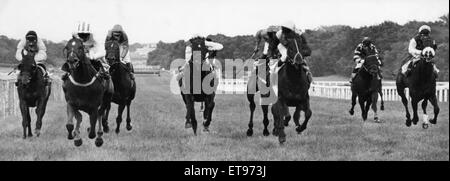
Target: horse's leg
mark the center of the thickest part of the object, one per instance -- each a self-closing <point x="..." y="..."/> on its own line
<point x="191" y="113"/>
<point x="276" y="118"/>
<point x="308" y="114"/>
<point x="105" y="118"/>
<point x="40" y="111"/>
<point x="434" y="102"/>
<point x="414" y="103"/>
<point x="401" y="93"/>
<point x="424" y="109"/>
<point x="93" y="114"/>
<point x="297" y="117"/>
<point x="252" y="105"/>
<point x="363" y="109"/>
<point x="285" y="110"/>
<point x="25" y="117"/>
<point x="265" y="109"/>
<point x="129" y="126"/>
<point x="352" y="109"/>
<point x="99" y="139"/>
<point x="374" y="106"/>
<point x="76" y="134"/>
<point x="69" y="125"/>
<point x="380" y="91"/>
<point x="209" y="106"/>
<point x="367" y="108"/>
<point x="120" y="109"/>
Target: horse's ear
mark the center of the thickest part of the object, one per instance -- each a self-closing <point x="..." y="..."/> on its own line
<point x="65" y="67"/>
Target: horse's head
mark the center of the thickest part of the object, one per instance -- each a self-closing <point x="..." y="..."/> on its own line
<point x="74" y="53"/>
<point x="27" y="68"/>
<point x="112" y="52"/>
<point x="428" y="54"/>
<point x="371" y="65"/>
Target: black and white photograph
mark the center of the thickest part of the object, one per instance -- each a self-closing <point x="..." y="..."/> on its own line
<point x="224" y="80"/>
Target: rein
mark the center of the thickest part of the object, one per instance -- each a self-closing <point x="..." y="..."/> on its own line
<point x="85" y="84"/>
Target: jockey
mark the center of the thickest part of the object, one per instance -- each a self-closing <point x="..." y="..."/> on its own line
<point x="211" y="56"/>
<point x="118" y="34"/>
<point x="270" y="41"/>
<point x="33" y="44"/>
<point x="199" y="43"/>
<point x="417" y="45"/>
<point x="289" y="32"/>
<point x="365" y="48"/>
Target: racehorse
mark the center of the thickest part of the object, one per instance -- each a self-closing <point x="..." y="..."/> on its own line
<point x="366" y="87"/>
<point x="124" y="86"/>
<point x="253" y="85"/>
<point x="293" y="86"/>
<point x="84" y="91"/>
<point x="32" y="91"/>
<point x="190" y="96"/>
<point x="422" y="86"/>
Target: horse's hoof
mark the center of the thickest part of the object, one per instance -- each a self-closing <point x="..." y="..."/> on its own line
<point x="187" y="125"/>
<point x="300" y="129"/>
<point x="377" y="120"/>
<point x="78" y="142"/>
<point x="275" y="132"/>
<point x="24" y="137"/>
<point x="98" y="142"/>
<point x="37" y="132"/>
<point x="91" y="135"/>
<point x="117" y="130"/>
<point x="282" y="139"/>
<point x="382" y="107"/>
<point x="433" y="121"/>
<point x="415" y="120"/>
<point x="351" y="112"/>
<point x="30" y="135"/>
<point x="424" y="125"/>
<point x="408" y="123"/>
<point x="70" y="136"/>
<point x="206" y="129"/>
<point x="249" y="132"/>
<point x="129" y="127"/>
<point x="266" y="132"/>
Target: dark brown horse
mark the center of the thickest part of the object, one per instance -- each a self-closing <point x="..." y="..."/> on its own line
<point x="32" y="91"/>
<point x="260" y="82"/>
<point x="422" y="86"/>
<point x="124" y="86"/>
<point x="84" y="91"/>
<point x="293" y="88"/>
<point x="366" y="87"/>
<point x="191" y="93"/>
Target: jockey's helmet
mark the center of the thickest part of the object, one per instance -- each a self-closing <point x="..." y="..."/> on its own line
<point x="425" y="29"/>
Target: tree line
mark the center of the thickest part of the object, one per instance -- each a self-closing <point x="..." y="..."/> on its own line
<point x="332" y="47"/>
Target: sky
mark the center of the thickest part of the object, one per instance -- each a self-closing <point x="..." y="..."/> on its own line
<point x="150" y="21"/>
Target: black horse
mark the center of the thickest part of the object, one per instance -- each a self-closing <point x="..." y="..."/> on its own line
<point x="293" y="86"/>
<point x="203" y="95"/>
<point x="124" y="86"/>
<point x="422" y="86"/>
<point x="32" y="91"/>
<point x="84" y="91"/>
<point x="256" y="81"/>
<point x="366" y="87"/>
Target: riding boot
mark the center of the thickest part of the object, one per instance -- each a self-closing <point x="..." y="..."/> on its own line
<point x="308" y="73"/>
<point x="131" y="70"/>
